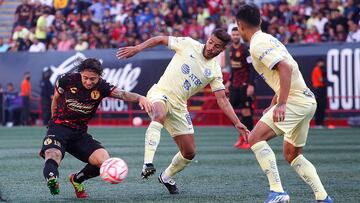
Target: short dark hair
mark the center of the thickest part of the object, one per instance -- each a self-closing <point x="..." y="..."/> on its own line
<point x="222" y="35"/>
<point x="234" y="29"/>
<point x="250" y="14"/>
<point x="91" y="64"/>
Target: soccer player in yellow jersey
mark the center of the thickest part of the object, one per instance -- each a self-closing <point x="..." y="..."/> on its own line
<point x="290" y="111"/>
<point x="192" y="68"/>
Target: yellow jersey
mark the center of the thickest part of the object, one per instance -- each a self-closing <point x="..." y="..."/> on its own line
<point x="266" y="51"/>
<point x="188" y="71"/>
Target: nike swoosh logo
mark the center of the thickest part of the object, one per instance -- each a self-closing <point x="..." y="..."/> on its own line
<point x="192" y="56"/>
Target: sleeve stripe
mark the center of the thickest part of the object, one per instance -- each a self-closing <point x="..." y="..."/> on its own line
<point x="170" y="42"/>
<point x="218" y="89"/>
<point x="274" y="63"/>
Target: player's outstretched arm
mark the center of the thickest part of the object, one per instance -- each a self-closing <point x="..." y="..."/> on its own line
<point x="132" y="97"/>
<point x="127" y="52"/>
<point x="226" y="107"/>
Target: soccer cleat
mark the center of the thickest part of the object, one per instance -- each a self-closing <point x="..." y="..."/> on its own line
<point x="170" y="185"/>
<point x="148" y="170"/>
<point x="78" y="187"/>
<point x="326" y="200"/>
<point x="53" y="185"/>
<point x="242" y="143"/>
<point x="277" y="197"/>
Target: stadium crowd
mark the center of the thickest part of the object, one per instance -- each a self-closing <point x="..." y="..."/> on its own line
<point x="62" y="25"/>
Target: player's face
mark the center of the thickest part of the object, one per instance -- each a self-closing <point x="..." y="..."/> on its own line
<point x="89" y="78"/>
<point x="235" y="37"/>
<point x="213" y="47"/>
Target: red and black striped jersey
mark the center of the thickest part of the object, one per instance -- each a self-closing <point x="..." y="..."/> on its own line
<point x="77" y="105"/>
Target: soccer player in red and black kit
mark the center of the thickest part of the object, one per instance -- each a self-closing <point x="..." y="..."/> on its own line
<point x="241" y="83"/>
<point x="76" y="99"/>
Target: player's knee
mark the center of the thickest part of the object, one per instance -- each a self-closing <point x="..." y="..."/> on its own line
<point x="289" y="157"/>
<point x="159" y="117"/>
<point x="53" y="154"/>
<point x="190" y="155"/>
<point x="98" y="157"/>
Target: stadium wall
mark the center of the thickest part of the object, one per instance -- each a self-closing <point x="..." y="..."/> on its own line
<point x="140" y="72"/>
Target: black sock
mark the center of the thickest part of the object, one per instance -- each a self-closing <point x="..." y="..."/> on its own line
<point x="50" y="169"/>
<point x="248" y="122"/>
<point x="89" y="171"/>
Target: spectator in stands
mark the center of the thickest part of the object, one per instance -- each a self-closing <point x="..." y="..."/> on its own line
<point x="23" y="14"/>
<point x="38" y="10"/>
<point x="82" y="43"/>
<point x="318" y="77"/>
<point x="354" y="32"/>
<point x="41" y="27"/>
<point x="340" y="33"/>
<point x="3" y="46"/>
<point x="65" y="43"/>
<point x="47" y="91"/>
<point x="312" y="36"/>
<point x="13" y="104"/>
<point x="26" y="96"/>
<point x="37" y="46"/>
<point x="20" y="36"/>
<point x="208" y="28"/>
<point x="320" y="22"/>
<point x="97" y="10"/>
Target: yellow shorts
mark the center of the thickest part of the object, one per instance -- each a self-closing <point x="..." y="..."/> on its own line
<point x="296" y="125"/>
<point x="177" y="121"/>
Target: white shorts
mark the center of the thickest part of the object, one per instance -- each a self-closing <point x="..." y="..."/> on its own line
<point x="177" y="121"/>
<point x="296" y="125"/>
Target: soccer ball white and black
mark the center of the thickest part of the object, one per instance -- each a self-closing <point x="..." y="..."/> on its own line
<point x="113" y="170"/>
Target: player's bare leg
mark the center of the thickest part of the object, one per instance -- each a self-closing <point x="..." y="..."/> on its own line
<point x="152" y="138"/>
<point x="91" y="170"/>
<point x="186" y="144"/>
<point x="305" y="170"/>
<point x="246" y="116"/>
<point x="258" y="140"/>
<point x="53" y="158"/>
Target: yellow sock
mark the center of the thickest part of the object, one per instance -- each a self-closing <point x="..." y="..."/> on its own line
<point x="178" y="163"/>
<point x="152" y="139"/>
<point x="267" y="161"/>
<point x="308" y="173"/>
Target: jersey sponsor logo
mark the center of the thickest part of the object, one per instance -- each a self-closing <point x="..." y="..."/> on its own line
<point x="188" y="119"/>
<point x="73" y="90"/>
<point x="79" y="107"/>
<point x="95" y="94"/>
<point x="207" y="72"/>
<point x="266" y="52"/>
<point x="195" y="79"/>
<point x="185" y="69"/>
<point x="47" y="141"/>
<point x="186" y="85"/>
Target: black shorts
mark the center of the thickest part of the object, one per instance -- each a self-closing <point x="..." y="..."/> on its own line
<point x="239" y="99"/>
<point x="78" y="143"/>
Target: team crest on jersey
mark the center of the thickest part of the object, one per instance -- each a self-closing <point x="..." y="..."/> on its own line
<point x="207" y="72"/>
<point x="47" y="141"/>
<point x="73" y="90"/>
<point x="95" y="95"/>
<point x="185" y="69"/>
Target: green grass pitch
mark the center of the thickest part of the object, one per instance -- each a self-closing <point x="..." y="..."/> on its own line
<point x="219" y="173"/>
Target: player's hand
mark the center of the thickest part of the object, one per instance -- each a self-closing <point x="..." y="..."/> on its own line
<point x="242" y="129"/>
<point x="279" y="113"/>
<point x="250" y="90"/>
<point x="126" y="52"/>
<point x="145" y="104"/>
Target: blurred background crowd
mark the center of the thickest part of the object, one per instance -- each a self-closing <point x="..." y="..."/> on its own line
<point x="64" y="25"/>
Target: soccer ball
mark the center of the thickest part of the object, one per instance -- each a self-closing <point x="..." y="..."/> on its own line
<point x="137" y="121"/>
<point x="113" y="170"/>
